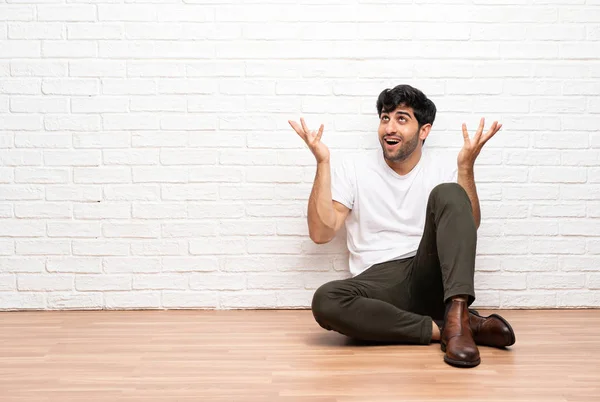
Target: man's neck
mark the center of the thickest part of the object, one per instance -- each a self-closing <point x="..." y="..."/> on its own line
<point x="406" y="166"/>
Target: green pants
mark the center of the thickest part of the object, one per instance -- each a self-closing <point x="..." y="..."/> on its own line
<point x="395" y="301"/>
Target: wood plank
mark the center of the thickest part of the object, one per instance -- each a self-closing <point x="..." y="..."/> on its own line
<point x="283" y="355"/>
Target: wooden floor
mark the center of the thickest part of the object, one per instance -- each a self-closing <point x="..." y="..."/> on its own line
<point x="280" y="356"/>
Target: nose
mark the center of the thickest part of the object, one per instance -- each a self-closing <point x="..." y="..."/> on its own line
<point x="390" y="128"/>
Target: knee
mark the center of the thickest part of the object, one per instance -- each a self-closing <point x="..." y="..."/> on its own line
<point x="325" y="302"/>
<point x="449" y="194"/>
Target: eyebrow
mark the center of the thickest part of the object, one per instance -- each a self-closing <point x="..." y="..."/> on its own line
<point x="404" y="113"/>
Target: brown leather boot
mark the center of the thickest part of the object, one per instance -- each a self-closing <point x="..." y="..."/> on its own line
<point x="492" y="331"/>
<point x="457" y="338"/>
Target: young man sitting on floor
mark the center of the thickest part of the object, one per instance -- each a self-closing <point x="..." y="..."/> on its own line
<point x="411" y="226"/>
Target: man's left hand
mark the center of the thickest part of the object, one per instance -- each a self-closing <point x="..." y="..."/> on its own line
<point x="472" y="147"/>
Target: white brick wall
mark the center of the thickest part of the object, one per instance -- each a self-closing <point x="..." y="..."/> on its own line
<point x="146" y="160"/>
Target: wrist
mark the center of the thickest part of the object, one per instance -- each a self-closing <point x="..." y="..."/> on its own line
<point x="466" y="168"/>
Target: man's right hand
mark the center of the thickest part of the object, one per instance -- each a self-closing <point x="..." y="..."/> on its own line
<point x="313" y="140"/>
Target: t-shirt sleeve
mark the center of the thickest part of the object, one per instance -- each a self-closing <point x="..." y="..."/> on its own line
<point x="342" y="185"/>
<point x="453" y="173"/>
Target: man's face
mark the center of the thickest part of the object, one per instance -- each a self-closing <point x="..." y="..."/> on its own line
<point x="398" y="133"/>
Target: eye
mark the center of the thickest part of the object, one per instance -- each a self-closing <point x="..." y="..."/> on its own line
<point x="402" y="118"/>
<point x="384" y="118"/>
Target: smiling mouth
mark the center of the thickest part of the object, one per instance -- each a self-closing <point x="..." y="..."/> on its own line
<point x="392" y="141"/>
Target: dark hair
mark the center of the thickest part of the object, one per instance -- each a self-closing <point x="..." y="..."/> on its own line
<point x="405" y="95"/>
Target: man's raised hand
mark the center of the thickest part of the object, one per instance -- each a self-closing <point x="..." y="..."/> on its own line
<point x="472" y="146"/>
<point x="312" y="139"/>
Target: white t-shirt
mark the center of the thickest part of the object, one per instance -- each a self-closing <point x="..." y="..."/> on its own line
<point x="387" y="216"/>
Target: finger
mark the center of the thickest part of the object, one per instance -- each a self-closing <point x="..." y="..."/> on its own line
<point x="297" y="129"/>
<point x="320" y="133"/>
<point x="306" y="130"/>
<point x="479" y="129"/>
<point x="465" y="133"/>
<point x="493" y="130"/>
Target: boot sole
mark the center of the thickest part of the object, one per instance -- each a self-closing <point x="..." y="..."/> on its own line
<point x="512" y="332"/>
<point x="459" y="363"/>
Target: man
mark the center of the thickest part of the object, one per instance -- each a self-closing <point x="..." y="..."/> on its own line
<point x="411" y="231"/>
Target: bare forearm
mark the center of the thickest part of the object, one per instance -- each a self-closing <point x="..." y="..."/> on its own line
<point x="466" y="179"/>
<point x="321" y="214"/>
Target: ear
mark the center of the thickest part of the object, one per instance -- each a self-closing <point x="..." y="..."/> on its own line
<point x="424" y="132"/>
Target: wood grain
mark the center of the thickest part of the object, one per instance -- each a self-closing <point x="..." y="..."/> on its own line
<point x="266" y="355"/>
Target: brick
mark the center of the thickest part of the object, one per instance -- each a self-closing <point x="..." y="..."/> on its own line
<point x="136" y="192"/>
<point x="530" y="192"/>
<point x="17" y="13"/>
<point x="68" y="13"/>
<point x="578" y="298"/>
<point x="187" y="122"/>
<point x="160" y="139"/>
<point x="98" y="248"/>
<point x="132" y="300"/>
<point x="68" y="86"/>
<point x="73" y="193"/>
<point x="104" y="210"/>
<point x="221" y="282"/>
<point x="269" y="245"/>
<point x="190" y="192"/>
<point x="557" y="210"/>
<point x="192" y="300"/>
<point x="528" y="298"/>
<point x="557" y="246"/>
<point x="529" y="263"/>
<point x="188" y="230"/>
<point x="43" y="247"/>
<point x="20" y="48"/>
<point x="158" y="247"/>
<point x="128" y="86"/>
<point x="101" y="140"/>
<point x="47" y="140"/>
<point x="131" y="157"/>
<point x="246" y="227"/>
<point x="97" y="68"/>
<point x="126" y="265"/>
<point x="21" y="86"/>
<point x="217" y="174"/>
<point x="41" y="175"/>
<point x="95" y="30"/>
<point x="72" y="122"/>
<point x="188" y="157"/>
<point x="159" y="211"/>
<point x="47" y="210"/>
<point x="189" y="264"/>
<point x="22" y="301"/>
<point x="211" y="245"/>
<point x="247" y="192"/>
<point x="160" y="175"/>
<point x="21" y="193"/>
<point x="101" y="175"/>
<point x="215" y="210"/>
<point x="555" y="281"/>
<point x="155" y="68"/>
<point x="8" y="282"/>
<point x="74" y="265"/>
<point x="160" y="103"/>
<point x="39" y="105"/>
<point x="500" y="281"/>
<point x="73" y="229"/>
<point x="243" y="299"/>
<point x="130" y="230"/>
<point x="35" y="31"/>
<point x="128" y="12"/>
<point x="159" y="282"/>
<point x="69" y="48"/>
<point x="22" y="264"/>
<point x="44" y="283"/>
<point x="75" y="301"/>
<point x="558" y="175"/>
